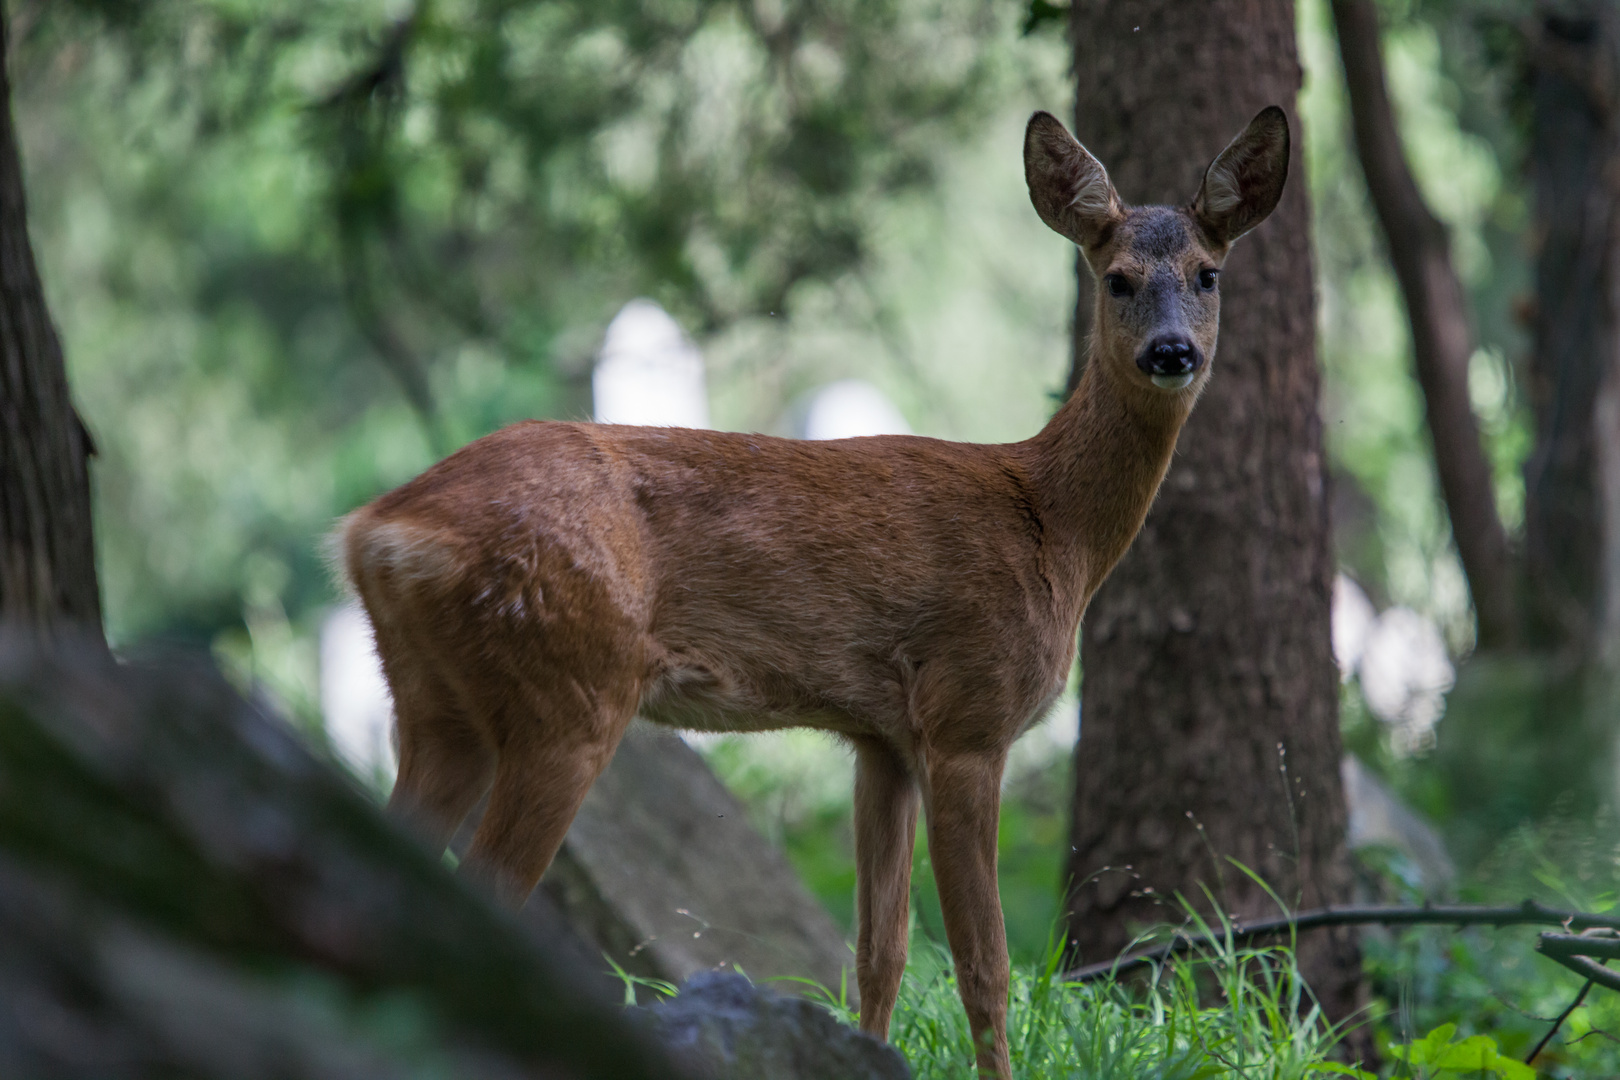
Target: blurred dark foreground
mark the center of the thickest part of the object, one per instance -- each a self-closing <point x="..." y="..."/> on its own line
<point x="187" y="891"/>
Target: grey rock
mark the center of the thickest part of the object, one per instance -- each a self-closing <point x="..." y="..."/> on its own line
<point x="1378" y="818"/>
<point x="662" y="871"/>
<point x="723" y="1027"/>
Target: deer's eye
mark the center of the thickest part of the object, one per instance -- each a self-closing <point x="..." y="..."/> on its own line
<point x="1117" y="285"/>
<point x="1206" y="278"/>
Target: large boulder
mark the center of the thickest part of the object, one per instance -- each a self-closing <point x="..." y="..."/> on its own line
<point x="663" y="872"/>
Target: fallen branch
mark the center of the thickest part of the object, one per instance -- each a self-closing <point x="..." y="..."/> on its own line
<point x="1560" y="946"/>
<point x="1575" y="952"/>
<point x="1528" y="913"/>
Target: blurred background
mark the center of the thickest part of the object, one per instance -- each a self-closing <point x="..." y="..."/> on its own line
<point x="297" y="251"/>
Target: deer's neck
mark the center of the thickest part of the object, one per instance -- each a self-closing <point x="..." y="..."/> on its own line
<point x="1097" y="466"/>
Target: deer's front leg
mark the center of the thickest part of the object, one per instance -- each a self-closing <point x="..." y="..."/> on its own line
<point x="885" y="829"/>
<point x="964" y="808"/>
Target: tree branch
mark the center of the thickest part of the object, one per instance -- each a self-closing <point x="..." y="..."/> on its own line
<point x="1565" y="945"/>
<point x="1441" y="340"/>
<point x="1528" y="913"/>
<point x="1590" y="970"/>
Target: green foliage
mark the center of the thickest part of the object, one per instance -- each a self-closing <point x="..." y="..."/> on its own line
<point x="1436" y="1055"/>
<point x="1490" y="981"/>
<point x="1497" y="767"/>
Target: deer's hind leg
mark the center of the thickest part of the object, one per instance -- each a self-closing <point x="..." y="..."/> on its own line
<point x="446" y="760"/>
<point x="556" y="733"/>
<point x="885" y="832"/>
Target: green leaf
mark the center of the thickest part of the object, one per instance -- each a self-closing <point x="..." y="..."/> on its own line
<point x="1509" y="1069"/>
<point x="1475" y="1054"/>
<point x="1426" y="1049"/>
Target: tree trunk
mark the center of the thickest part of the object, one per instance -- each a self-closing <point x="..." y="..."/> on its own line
<point x="1442" y="342"/>
<point x="1210" y="719"/>
<point x="1572" y="544"/>
<point x="47" y="560"/>
<point x="1572" y="478"/>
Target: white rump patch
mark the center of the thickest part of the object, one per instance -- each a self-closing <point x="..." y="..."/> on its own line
<point x="408" y="551"/>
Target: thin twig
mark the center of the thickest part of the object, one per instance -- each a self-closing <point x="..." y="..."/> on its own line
<point x="1599" y="1032"/>
<point x="1558" y="1022"/>
<point x="1527" y="913"/>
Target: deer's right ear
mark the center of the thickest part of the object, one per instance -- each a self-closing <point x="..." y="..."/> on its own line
<point x="1070" y="188"/>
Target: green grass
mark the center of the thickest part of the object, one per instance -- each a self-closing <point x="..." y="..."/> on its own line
<point x="1246" y="1014"/>
<point x="1234" y="1013"/>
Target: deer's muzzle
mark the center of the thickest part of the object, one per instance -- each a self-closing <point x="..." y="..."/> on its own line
<point x="1170" y="360"/>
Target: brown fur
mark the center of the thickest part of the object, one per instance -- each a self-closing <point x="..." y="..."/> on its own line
<point x="534" y="590"/>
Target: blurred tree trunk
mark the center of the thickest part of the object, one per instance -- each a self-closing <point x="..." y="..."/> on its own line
<point x="1442" y="340"/>
<point x="47" y="559"/>
<point x="1572" y="480"/>
<point x="1210" y="718"/>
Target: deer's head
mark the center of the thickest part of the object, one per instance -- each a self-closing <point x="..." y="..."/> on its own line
<point x="1157" y="267"/>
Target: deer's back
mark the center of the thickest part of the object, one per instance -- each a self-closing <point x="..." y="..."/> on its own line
<point x="770" y="581"/>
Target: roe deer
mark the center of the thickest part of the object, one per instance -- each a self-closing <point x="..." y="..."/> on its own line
<point x="919" y="598"/>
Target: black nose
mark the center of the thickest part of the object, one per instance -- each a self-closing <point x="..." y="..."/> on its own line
<point x="1169" y="354"/>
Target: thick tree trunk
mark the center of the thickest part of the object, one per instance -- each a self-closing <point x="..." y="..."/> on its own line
<point x="1442" y="342"/>
<point x="1210" y="719"/>
<point x="47" y="561"/>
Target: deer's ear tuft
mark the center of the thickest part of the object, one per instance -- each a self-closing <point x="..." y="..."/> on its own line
<point x="1244" y="183"/>
<point x="1070" y="188"/>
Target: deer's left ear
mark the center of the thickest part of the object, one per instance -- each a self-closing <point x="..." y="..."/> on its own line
<point x="1242" y="186"/>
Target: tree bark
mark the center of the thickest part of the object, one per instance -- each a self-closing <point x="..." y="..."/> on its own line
<point x="47" y="559"/>
<point x="1210" y="698"/>
<point x="1436" y="311"/>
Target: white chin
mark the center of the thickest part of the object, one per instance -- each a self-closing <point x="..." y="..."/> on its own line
<point x="1173" y="382"/>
